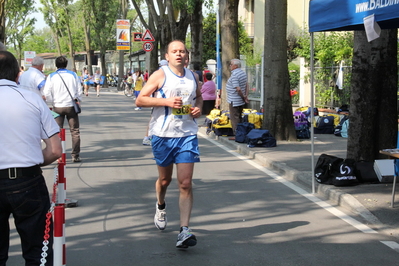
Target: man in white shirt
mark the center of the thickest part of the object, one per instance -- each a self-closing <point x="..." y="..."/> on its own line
<point x="34" y="79"/>
<point x="62" y="87"/>
<point x="25" y="122"/>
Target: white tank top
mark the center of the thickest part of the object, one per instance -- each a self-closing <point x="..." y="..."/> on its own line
<point x="175" y="122"/>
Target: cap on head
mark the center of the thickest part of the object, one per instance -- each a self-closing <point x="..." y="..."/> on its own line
<point x="163" y="63"/>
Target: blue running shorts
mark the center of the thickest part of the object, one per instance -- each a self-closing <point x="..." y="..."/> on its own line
<point x="175" y="150"/>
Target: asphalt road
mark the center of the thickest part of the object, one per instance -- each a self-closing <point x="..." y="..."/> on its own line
<point x="243" y="214"/>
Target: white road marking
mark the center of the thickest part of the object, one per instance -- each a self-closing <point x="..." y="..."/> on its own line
<point x="392" y="244"/>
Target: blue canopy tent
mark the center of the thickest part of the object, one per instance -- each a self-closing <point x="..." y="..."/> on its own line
<point x="346" y="15"/>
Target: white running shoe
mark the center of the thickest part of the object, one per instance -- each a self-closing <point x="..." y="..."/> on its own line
<point x="185" y="238"/>
<point x="160" y="219"/>
<point x="137" y="108"/>
<point x="147" y="141"/>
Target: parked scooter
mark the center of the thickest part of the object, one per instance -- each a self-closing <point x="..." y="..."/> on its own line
<point x="112" y="80"/>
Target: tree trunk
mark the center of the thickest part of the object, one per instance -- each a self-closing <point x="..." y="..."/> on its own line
<point x="373" y="105"/>
<point x="86" y="30"/>
<point x="71" y="49"/>
<point x="196" y="34"/>
<point x="2" y="21"/>
<point x="228" y="12"/>
<point x="277" y="113"/>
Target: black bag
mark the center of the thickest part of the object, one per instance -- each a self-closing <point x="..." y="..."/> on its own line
<point x="223" y="131"/>
<point x="343" y="172"/>
<point x="324" y="125"/>
<point x="323" y="168"/>
<point x="307" y="113"/>
<point x="365" y="172"/>
<point x="242" y="130"/>
<point x="335" y="171"/>
<point x="260" y="138"/>
<point x="76" y="106"/>
<point x="302" y="132"/>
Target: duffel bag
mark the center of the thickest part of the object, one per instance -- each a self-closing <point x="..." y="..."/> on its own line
<point x="260" y="138"/>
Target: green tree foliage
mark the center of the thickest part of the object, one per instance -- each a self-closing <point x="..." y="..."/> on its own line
<point x="41" y="41"/>
<point x="18" y="25"/>
<point x="245" y="45"/>
<point x="294" y="72"/>
<point x="329" y="50"/>
<point x="209" y="41"/>
<point x="209" y="38"/>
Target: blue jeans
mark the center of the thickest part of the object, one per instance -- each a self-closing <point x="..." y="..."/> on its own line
<point x="27" y="199"/>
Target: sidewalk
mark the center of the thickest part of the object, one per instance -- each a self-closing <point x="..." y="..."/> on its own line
<point x="292" y="160"/>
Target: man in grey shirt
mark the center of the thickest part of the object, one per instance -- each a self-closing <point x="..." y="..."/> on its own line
<point x="237" y="93"/>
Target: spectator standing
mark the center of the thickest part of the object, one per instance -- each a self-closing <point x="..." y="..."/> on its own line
<point x="145" y="76"/>
<point x="177" y="103"/>
<point x="97" y="80"/>
<point x="25" y="122"/>
<point x="206" y="70"/>
<point x="138" y="86"/>
<point x="236" y="89"/>
<point x="33" y="79"/>
<point x="61" y="86"/>
<point x="208" y="91"/>
<point x="197" y="69"/>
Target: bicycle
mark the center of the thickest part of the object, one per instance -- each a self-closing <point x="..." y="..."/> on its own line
<point x="128" y="90"/>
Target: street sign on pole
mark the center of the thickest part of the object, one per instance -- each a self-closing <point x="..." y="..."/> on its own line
<point x="148" y="46"/>
<point x="122" y="34"/>
<point x="147" y="37"/>
<point x="137" y="36"/>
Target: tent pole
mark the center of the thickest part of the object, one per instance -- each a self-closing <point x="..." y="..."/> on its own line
<point x="312" y="110"/>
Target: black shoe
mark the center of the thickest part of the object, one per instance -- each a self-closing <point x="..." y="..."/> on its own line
<point x="76" y="159"/>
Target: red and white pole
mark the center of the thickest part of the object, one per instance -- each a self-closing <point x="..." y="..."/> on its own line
<point x="59" y="210"/>
<point x="61" y="171"/>
<point x="59" y="236"/>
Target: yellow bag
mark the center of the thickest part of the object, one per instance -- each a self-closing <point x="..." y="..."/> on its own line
<point x="223" y="120"/>
<point x="249" y="111"/>
<point x="215" y="113"/>
<point x="256" y="119"/>
<point x="302" y="109"/>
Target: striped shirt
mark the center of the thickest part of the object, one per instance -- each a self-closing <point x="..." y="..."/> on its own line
<point x="238" y="79"/>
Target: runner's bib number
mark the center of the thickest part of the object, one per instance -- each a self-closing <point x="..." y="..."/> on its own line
<point x="184" y="110"/>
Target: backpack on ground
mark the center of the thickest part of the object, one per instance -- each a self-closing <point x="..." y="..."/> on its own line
<point x="338" y="129"/>
<point x="242" y="130"/>
<point x="260" y="138"/>
<point x="252" y="116"/>
<point x="324" y="124"/>
<point x="301" y="125"/>
<point x="308" y="111"/>
<point x="345" y="128"/>
<point x="219" y="122"/>
<point x="302" y="132"/>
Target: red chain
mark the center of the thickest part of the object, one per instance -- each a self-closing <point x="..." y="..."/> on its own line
<point x="49" y="215"/>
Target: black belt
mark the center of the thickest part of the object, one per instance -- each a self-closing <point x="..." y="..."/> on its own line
<point x="17" y="172"/>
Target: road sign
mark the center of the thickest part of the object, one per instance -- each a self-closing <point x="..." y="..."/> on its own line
<point x="148" y="46"/>
<point x="137" y="36"/>
<point x="147" y="37"/>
